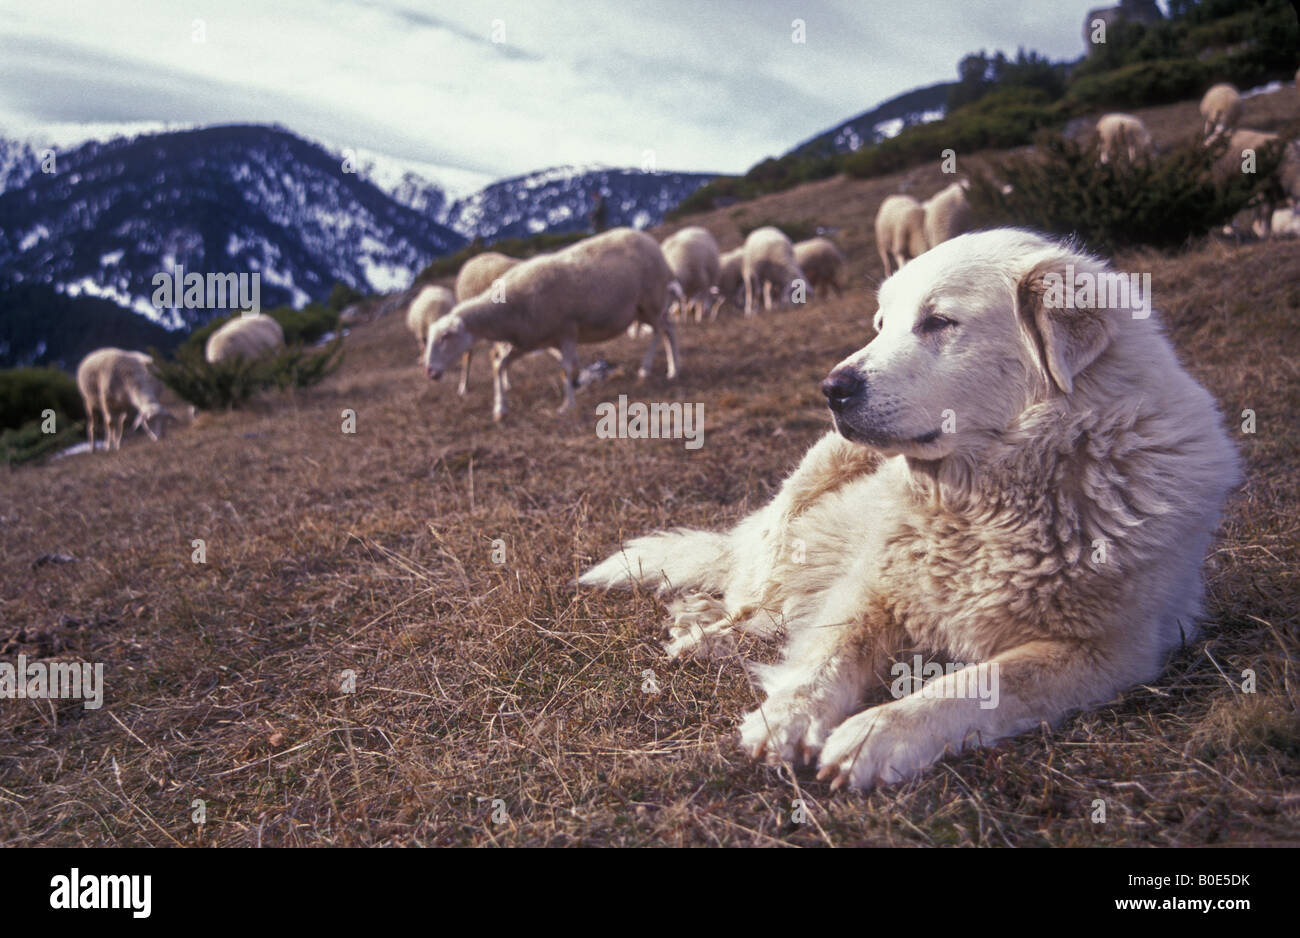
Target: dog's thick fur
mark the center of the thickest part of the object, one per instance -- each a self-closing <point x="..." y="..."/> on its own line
<point x="1013" y="481"/>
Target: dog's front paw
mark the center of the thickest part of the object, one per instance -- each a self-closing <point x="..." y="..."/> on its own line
<point x="701" y="628"/>
<point x="877" y="746"/>
<point x="784" y="730"/>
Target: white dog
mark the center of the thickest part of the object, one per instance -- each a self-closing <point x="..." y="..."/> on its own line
<point x="1023" y="484"/>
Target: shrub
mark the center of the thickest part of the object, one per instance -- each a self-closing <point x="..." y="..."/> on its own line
<point x="301" y="326"/>
<point x="795" y="229"/>
<point x="448" y="264"/>
<point x="1163" y="202"/>
<point x="229" y="384"/>
<point x="26" y="392"/>
<point x="29" y="442"/>
<point x="1009" y="117"/>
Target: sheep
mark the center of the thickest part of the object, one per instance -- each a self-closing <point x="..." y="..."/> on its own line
<point x="1287" y="174"/>
<point x="480" y="272"/>
<point x="247" y="337"/>
<point x="588" y="292"/>
<point x="1285" y="223"/>
<point x="692" y="255"/>
<point x="731" y="279"/>
<point x="429" y="304"/>
<point x="1221" y="108"/>
<point x="477" y="275"/>
<point x="947" y="214"/>
<point x="768" y="262"/>
<point x="114" y="382"/>
<point x="822" y="262"/>
<point x="900" y="231"/>
<point x="1123" y="135"/>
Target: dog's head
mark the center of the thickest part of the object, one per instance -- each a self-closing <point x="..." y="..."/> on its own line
<point x="968" y="335"/>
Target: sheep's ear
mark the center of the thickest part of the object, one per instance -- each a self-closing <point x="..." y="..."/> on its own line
<point x="1065" y="338"/>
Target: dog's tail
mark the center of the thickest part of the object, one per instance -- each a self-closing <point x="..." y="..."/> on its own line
<point x="670" y="561"/>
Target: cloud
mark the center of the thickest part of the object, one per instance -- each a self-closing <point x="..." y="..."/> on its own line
<point x="508" y="86"/>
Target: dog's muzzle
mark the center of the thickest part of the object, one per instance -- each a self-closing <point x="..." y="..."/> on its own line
<point x="843" y="387"/>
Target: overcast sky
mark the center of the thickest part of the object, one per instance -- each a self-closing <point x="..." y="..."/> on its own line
<point x="501" y="87"/>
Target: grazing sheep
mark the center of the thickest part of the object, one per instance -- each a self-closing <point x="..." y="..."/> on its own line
<point x="1287" y="174"/>
<point x="1123" y="136"/>
<point x="244" y="337"/>
<point x="947" y="214"/>
<point x="731" y="280"/>
<point x="114" y="382"/>
<point x="589" y="292"/>
<point x="1221" y="108"/>
<point x="900" y="231"/>
<point x="768" y="263"/>
<point x="822" y="263"/>
<point x="1285" y="223"/>
<point x="479" y="272"/>
<point x="476" y="276"/>
<point x="692" y="255"/>
<point x="429" y="304"/>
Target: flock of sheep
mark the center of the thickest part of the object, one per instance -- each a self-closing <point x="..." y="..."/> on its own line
<point x="615" y="282"/>
<point x="624" y="281"/>
<point x="114" y="382"/>
<point x="1123" y="137"/>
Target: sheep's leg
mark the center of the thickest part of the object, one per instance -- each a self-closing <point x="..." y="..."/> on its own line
<point x="121" y="425"/>
<point x="750" y="299"/>
<point x="464" y="373"/>
<point x="666" y="333"/>
<point x="569" y="364"/>
<point x="499" y="366"/>
<point x="89" y="405"/>
<point x="648" y="359"/>
<point x="767" y="296"/>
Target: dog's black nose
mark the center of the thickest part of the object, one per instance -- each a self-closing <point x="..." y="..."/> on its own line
<point x="840" y="386"/>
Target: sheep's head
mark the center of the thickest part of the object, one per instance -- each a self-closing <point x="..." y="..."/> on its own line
<point x="153" y="417"/>
<point x="448" y="340"/>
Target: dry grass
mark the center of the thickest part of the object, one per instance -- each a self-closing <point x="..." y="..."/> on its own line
<point x="478" y="681"/>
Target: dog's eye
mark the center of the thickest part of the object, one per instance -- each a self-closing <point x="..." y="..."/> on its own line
<point x="935" y="323"/>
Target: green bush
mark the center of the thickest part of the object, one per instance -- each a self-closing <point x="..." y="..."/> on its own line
<point x="448" y="264"/>
<point x="29" y="442"/>
<point x="26" y="392"/>
<point x="229" y="384"/>
<point x="301" y="326"/>
<point x="795" y="229"/>
<point x="1009" y="117"/>
<point x="1162" y="202"/>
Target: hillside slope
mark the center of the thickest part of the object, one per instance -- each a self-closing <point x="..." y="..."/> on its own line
<point x="482" y="675"/>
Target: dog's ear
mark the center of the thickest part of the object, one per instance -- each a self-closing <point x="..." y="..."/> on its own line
<point x="1065" y="338"/>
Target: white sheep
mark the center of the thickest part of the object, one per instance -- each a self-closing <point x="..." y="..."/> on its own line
<point x="731" y="280"/>
<point x="246" y="337"/>
<point x="900" y="231"/>
<point x="432" y="302"/>
<point x="1245" y="144"/>
<point x="768" y="265"/>
<point x="1123" y="136"/>
<point x="114" y="382"/>
<point x="692" y="256"/>
<point x="947" y="214"/>
<point x="1221" y="108"/>
<point x="477" y="275"/>
<point x="822" y="263"/>
<point x="589" y="292"/>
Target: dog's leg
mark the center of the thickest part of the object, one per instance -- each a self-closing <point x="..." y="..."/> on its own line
<point x="822" y="679"/>
<point x="1039" y="681"/>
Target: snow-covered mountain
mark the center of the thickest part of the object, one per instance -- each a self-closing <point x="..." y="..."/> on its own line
<point x="213" y="200"/>
<point x="918" y="106"/>
<point x="561" y="199"/>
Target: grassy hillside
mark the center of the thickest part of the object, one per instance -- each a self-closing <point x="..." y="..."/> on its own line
<point x="373" y="552"/>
